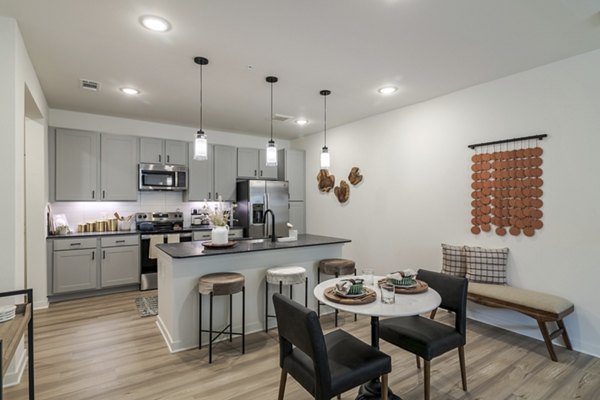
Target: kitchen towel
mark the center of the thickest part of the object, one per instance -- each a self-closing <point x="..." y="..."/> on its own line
<point x="173" y="238"/>
<point x="154" y="240"/>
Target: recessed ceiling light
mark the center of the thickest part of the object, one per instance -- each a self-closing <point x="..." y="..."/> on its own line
<point x="387" y="89"/>
<point x="129" y="91"/>
<point x="154" y="23"/>
<point x="301" y="121"/>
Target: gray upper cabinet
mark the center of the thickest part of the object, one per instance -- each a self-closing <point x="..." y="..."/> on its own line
<point x="200" y="177"/>
<point x="151" y="150"/>
<point x="76" y="176"/>
<point x="176" y="152"/>
<point x="225" y="171"/>
<point x="154" y="150"/>
<point x="291" y="168"/>
<point x="251" y="164"/>
<point x="118" y="167"/>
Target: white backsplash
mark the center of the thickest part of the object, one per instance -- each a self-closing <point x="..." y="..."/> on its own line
<point x="78" y="212"/>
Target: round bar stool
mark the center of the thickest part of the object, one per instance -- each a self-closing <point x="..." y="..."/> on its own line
<point x="292" y="275"/>
<point x="336" y="267"/>
<point x="220" y="284"/>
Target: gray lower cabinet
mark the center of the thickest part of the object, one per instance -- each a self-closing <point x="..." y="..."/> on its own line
<point x="88" y="264"/>
<point x="75" y="270"/>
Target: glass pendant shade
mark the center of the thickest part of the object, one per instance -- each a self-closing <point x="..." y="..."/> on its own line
<point x="271" y="154"/>
<point x="200" y="146"/>
<point x="325" y="160"/>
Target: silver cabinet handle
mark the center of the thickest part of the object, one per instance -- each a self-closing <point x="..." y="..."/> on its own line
<point x="254" y="172"/>
<point x="103" y="194"/>
<point x="75" y="244"/>
<point x="103" y="254"/>
<point x="93" y="255"/>
<point x="119" y="241"/>
<point x="209" y="195"/>
<point x="159" y="158"/>
<point x="261" y="172"/>
<point x="168" y="158"/>
<point x="93" y="194"/>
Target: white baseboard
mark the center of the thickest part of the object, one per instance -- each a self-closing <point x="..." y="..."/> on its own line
<point x="13" y="376"/>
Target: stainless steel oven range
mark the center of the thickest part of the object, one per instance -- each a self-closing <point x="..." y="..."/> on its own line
<point x="156" y="228"/>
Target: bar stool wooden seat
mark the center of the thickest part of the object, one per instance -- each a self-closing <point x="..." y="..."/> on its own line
<point x="292" y="275"/>
<point x="336" y="267"/>
<point x="220" y="284"/>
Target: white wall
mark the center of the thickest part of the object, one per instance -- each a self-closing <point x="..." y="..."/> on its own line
<point x="17" y="76"/>
<point x="416" y="189"/>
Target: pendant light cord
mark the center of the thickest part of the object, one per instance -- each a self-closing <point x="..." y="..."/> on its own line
<point x="200" y="98"/>
<point x="271" y="111"/>
<point x="325" y="122"/>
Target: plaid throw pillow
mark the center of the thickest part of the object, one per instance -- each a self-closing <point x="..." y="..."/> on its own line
<point x="486" y="265"/>
<point x="454" y="261"/>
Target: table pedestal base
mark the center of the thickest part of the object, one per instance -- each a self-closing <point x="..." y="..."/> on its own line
<point x="372" y="391"/>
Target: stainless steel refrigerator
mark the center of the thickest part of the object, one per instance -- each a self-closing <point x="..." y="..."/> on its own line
<point x="254" y="197"/>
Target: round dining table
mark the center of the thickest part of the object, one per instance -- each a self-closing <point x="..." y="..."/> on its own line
<point x="404" y="305"/>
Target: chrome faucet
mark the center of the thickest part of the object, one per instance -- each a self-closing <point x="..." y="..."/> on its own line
<point x="264" y="221"/>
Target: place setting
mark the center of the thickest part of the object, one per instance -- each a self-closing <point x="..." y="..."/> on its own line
<point x="401" y="282"/>
<point x="350" y="291"/>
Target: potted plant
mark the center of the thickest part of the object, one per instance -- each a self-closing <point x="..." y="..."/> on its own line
<point x="220" y="230"/>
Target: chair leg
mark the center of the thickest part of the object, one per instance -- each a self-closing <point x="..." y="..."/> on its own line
<point x="354" y="275"/>
<point x="336" y="310"/>
<point x="547" y="339"/>
<point x="427" y="377"/>
<point x="282" y="381"/>
<point x="230" y="317"/>
<point x="339" y="396"/>
<point x="318" y="302"/>
<point x="463" y="370"/>
<point x="384" y="387"/>
<point x="565" y="335"/>
<point x="418" y="362"/>
<point x="432" y="315"/>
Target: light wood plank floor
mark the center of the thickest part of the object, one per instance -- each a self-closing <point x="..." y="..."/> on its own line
<point x="100" y="348"/>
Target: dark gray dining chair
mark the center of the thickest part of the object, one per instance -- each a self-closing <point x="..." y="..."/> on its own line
<point x="427" y="338"/>
<point x="325" y="365"/>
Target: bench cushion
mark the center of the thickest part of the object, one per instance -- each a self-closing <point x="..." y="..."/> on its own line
<point x="521" y="297"/>
<point x="486" y="265"/>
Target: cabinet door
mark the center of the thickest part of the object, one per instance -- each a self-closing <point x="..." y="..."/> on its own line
<point x="225" y="172"/>
<point x="247" y="163"/>
<point x="176" y="152"/>
<point x="76" y="165"/>
<point x="74" y="270"/>
<point x="298" y="216"/>
<point x="120" y="266"/>
<point x="118" y="167"/>
<point x="151" y="150"/>
<point x="296" y="174"/>
<point x="264" y="171"/>
<point x="200" y="177"/>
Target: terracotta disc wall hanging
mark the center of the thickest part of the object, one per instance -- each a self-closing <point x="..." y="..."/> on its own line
<point x="326" y="181"/>
<point x="506" y="192"/>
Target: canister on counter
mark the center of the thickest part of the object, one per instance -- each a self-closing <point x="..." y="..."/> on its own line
<point x="91" y="227"/>
<point x="113" y="225"/>
<point x="100" y="226"/>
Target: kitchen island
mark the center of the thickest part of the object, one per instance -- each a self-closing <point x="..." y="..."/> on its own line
<point x="181" y="264"/>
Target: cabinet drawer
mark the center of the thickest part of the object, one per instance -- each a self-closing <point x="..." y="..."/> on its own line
<point x="74" y="244"/>
<point x="236" y="233"/>
<point x="201" y="235"/>
<point x="121" y="240"/>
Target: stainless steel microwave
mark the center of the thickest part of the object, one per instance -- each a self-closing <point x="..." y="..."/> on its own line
<point x="162" y="177"/>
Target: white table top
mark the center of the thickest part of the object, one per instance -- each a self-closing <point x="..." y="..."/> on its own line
<point x="405" y="305"/>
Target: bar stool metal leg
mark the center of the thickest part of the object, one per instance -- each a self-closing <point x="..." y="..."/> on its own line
<point x="266" y="306"/>
<point x="210" y="329"/>
<point x="230" y="318"/>
<point x="243" y="319"/>
<point x="306" y="292"/>
<point x="318" y="302"/>
<point x="200" y="320"/>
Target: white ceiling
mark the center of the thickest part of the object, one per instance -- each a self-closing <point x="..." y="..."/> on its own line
<point x="425" y="47"/>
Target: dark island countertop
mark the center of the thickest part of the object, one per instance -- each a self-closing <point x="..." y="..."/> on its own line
<point x="196" y="249"/>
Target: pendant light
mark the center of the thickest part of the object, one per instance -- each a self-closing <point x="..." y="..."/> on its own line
<point x="200" y="143"/>
<point x="325" y="159"/>
<point x="271" y="148"/>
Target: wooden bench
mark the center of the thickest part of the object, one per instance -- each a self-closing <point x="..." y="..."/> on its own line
<point x="542" y="307"/>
